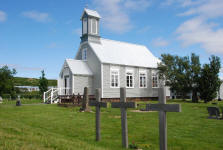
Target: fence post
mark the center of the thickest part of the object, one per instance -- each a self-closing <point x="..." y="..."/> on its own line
<point x="51" y="97"/>
<point x="44" y="97"/>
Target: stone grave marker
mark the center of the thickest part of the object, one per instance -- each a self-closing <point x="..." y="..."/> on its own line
<point x="85" y="102"/>
<point x="98" y="104"/>
<point x="163" y="108"/>
<point x="123" y="105"/>
<point x="1" y="100"/>
<point x="18" y="102"/>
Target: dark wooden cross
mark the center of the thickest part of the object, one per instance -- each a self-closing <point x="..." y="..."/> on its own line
<point x="162" y="107"/>
<point x="98" y="105"/>
<point x="123" y="105"/>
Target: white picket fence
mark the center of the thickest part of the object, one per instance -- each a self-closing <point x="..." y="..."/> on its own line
<point x="51" y="96"/>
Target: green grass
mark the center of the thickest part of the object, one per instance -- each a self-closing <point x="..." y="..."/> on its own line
<point x="32" y="81"/>
<point x="51" y="127"/>
<point x="23" y="101"/>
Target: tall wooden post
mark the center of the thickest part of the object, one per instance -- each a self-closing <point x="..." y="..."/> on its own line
<point x="123" y="105"/>
<point x="124" y="118"/>
<point x="98" y="115"/>
<point x="162" y="107"/>
<point x="162" y="122"/>
<point x="98" y="104"/>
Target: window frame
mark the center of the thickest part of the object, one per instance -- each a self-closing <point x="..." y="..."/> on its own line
<point x="132" y="72"/>
<point x="114" y="70"/>
<point x="96" y="28"/>
<point x="85" y="20"/>
<point x="143" y="72"/>
<point x="84" y="54"/>
<point x="154" y="74"/>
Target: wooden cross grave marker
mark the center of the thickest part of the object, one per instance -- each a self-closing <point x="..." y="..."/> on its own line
<point x="98" y="104"/>
<point x="162" y="107"/>
<point x="123" y="105"/>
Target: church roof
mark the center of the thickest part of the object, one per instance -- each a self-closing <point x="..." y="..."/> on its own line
<point x="122" y="53"/>
<point x="79" y="67"/>
<point x="92" y="13"/>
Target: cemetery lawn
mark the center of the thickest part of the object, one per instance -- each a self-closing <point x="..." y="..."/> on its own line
<point x="32" y="127"/>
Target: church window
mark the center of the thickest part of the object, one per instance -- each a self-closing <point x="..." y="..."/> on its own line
<point x="94" y="26"/>
<point x="142" y="80"/>
<point x="84" y="54"/>
<point x="154" y="80"/>
<point x="129" y="79"/>
<point x="84" y="25"/>
<point x="114" y="79"/>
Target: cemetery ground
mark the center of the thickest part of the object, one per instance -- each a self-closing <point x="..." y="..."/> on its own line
<point x="51" y="127"/>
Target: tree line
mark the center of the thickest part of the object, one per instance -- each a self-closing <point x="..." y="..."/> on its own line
<point x="18" y="81"/>
<point x="8" y="82"/>
<point x="186" y="75"/>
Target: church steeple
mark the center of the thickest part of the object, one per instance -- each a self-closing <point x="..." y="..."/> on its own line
<point x="90" y="26"/>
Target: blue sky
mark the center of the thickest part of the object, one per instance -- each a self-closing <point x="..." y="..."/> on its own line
<point x="36" y="35"/>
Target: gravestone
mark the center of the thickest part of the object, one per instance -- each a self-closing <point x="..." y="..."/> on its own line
<point x="78" y="98"/>
<point x="85" y="102"/>
<point x="1" y="100"/>
<point x="98" y="104"/>
<point x="162" y="107"/>
<point x="123" y="105"/>
<point x="213" y="111"/>
<point x="18" y="102"/>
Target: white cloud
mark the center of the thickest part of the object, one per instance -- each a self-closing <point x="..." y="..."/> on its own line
<point x="52" y="45"/>
<point x="202" y="29"/>
<point x="115" y="13"/>
<point x="143" y="30"/>
<point x="138" y="5"/>
<point x="114" y="17"/>
<point x="20" y="67"/>
<point x="160" y="42"/>
<point x="68" y="21"/>
<point x="182" y="3"/>
<point x="3" y="16"/>
<point x="77" y="31"/>
<point x="209" y="9"/>
<point x="197" y="31"/>
<point x="37" y="16"/>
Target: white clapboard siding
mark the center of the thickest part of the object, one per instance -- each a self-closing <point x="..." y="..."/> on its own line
<point x="80" y="82"/>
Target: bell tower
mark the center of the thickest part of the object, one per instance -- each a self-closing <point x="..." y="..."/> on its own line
<point x="90" y="26"/>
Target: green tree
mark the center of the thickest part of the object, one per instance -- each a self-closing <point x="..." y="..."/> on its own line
<point x="209" y="81"/>
<point x="6" y="81"/>
<point x="174" y="70"/>
<point x="43" y="83"/>
<point x="181" y="73"/>
<point x="195" y="67"/>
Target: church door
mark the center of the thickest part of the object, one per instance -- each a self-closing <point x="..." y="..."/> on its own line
<point x="66" y="85"/>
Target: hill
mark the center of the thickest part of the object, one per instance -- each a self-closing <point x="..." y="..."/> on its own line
<point x="31" y="81"/>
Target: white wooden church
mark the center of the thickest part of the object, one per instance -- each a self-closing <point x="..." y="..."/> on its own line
<point x="108" y="65"/>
